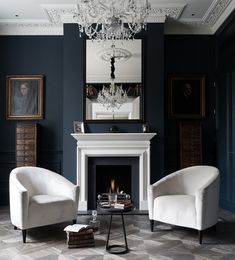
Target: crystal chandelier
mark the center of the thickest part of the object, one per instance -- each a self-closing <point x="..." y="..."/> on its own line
<point x="114" y="96"/>
<point x="111" y="19"/>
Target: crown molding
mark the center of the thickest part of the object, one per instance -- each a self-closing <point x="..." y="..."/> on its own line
<point x="57" y="15"/>
<point x="216" y="14"/>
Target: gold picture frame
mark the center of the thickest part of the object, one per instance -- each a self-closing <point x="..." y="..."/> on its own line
<point x="186" y="96"/>
<point x="24" y="97"/>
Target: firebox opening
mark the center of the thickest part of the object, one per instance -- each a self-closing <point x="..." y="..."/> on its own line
<point x="105" y="174"/>
<point x="102" y="170"/>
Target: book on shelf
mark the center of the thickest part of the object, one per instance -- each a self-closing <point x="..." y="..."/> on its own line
<point x="78" y="228"/>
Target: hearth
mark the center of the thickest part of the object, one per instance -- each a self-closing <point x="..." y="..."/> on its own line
<point x="113" y="174"/>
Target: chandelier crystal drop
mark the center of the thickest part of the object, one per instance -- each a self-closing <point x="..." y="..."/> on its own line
<point x="111" y="19"/>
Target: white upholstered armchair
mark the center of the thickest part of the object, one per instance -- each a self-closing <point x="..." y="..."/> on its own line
<point x="188" y="197"/>
<point x="41" y="197"/>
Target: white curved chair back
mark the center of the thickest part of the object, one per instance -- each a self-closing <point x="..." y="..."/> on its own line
<point x="189" y="180"/>
<point x="37" y="180"/>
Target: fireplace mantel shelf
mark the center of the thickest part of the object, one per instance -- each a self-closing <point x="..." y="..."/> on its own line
<point x="113" y="145"/>
<point x="113" y="136"/>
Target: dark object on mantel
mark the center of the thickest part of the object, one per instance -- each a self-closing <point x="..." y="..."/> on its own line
<point x="114" y="129"/>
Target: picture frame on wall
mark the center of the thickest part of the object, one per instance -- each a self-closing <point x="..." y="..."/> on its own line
<point x="78" y="127"/>
<point x="24" y="97"/>
<point x="186" y="96"/>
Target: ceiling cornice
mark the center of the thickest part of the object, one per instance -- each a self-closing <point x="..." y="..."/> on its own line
<point x="211" y="21"/>
<point x="169" y="14"/>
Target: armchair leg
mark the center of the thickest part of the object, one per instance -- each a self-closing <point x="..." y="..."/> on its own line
<point x="214" y="228"/>
<point x="74" y="221"/>
<point x="200" y="236"/>
<point x="24" y="235"/>
<point x="151" y="224"/>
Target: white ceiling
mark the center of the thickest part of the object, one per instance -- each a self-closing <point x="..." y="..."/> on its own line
<point x="46" y="17"/>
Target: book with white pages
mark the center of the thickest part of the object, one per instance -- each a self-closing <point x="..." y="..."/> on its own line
<point x="77" y="228"/>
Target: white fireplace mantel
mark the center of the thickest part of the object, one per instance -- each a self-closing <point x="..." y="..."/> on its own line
<point x="113" y="145"/>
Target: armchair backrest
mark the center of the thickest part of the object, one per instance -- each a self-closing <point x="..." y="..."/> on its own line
<point x="35" y="180"/>
<point x="191" y="179"/>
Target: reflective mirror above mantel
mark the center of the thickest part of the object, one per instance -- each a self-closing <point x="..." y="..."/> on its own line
<point x="123" y="60"/>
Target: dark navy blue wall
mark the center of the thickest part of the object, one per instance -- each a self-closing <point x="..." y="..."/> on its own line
<point x="32" y="55"/>
<point x="193" y="55"/>
<point x="73" y="71"/>
<point x="226" y="111"/>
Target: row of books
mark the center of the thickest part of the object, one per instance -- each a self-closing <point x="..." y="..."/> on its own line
<point x="79" y="236"/>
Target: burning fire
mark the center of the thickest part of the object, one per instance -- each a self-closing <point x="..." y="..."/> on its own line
<point x="114" y="188"/>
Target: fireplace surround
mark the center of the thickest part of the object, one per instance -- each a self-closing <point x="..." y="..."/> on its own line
<point x="113" y="145"/>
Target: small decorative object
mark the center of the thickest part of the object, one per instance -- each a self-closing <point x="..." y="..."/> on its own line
<point x="112" y="198"/>
<point x="78" y="127"/>
<point x="145" y="128"/>
<point x="94" y="214"/>
<point x="186" y="96"/>
<point x="114" y="129"/>
<point x="95" y="223"/>
<point x="24" y="95"/>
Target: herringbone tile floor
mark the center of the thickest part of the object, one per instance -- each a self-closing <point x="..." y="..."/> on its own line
<point x="165" y="243"/>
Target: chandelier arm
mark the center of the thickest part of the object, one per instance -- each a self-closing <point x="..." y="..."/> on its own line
<point x="90" y="30"/>
<point x="115" y="20"/>
<point x="135" y="28"/>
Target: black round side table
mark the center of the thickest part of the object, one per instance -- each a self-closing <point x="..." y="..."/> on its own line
<point x="116" y="248"/>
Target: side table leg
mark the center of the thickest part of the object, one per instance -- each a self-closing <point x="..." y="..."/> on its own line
<point x="124" y="231"/>
<point x="110" y="223"/>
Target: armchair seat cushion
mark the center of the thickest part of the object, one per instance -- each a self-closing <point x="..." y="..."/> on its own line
<point x="45" y="199"/>
<point x="47" y="209"/>
<point x="175" y="209"/>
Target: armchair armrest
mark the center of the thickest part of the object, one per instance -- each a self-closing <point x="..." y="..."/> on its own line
<point x="19" y="202"/>
<point x="59" y="186"/>
<point x="206" y="202"/>
<point x="165" y="186"/>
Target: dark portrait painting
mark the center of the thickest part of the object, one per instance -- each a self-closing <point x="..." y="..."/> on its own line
<point x="186" y="96"/>
<point x="24" y="97"/>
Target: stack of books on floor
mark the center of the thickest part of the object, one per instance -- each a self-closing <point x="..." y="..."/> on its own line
<point x="79" y="236"/>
